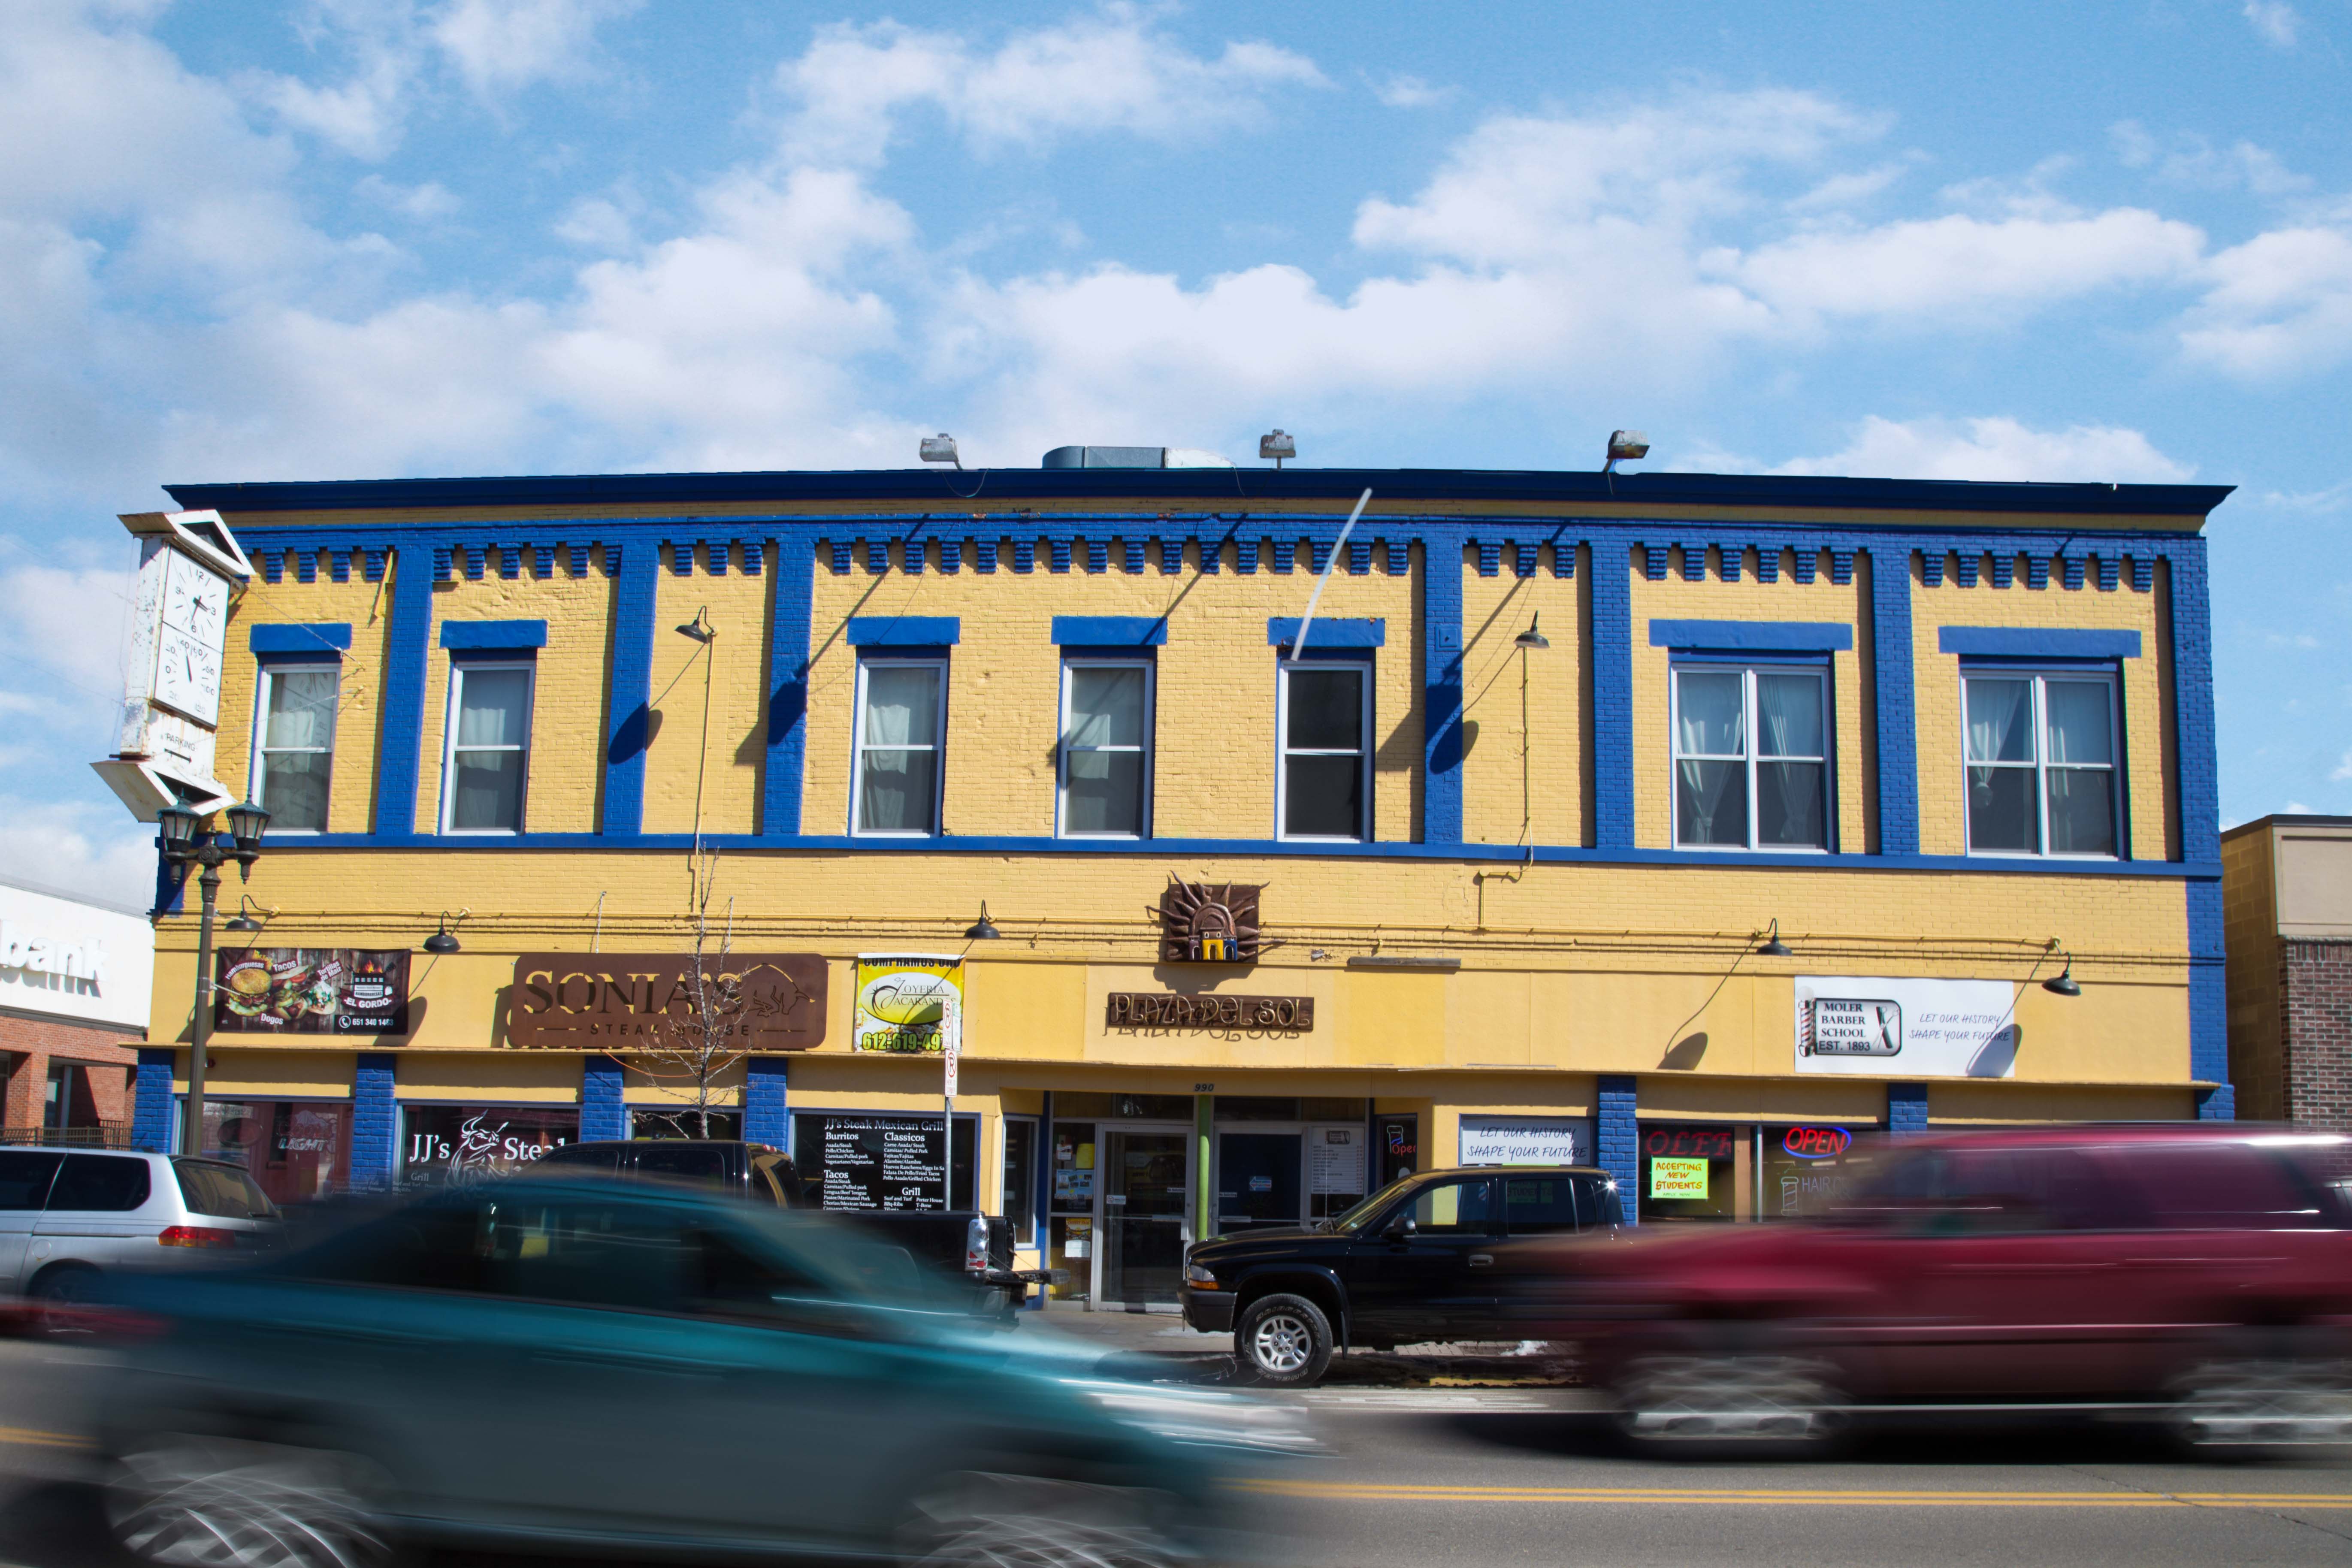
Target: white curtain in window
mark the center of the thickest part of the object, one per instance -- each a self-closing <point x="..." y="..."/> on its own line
<point x="1709" y="712"/>
<point x="1789" y="716"/>
<point x="301" y="708"/>
<point x="2001" y="727"/>
<point x="902" y="706"/>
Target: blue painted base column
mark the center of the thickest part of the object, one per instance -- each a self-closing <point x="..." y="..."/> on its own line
<point x="603" y="1116"/>
<point x="1619" y="1141"/>
<point x="766" y="1118"/>
<point x="375" y="1122"/>
<point x="1906" y="1109"/>
<point x="150" y="1099"/>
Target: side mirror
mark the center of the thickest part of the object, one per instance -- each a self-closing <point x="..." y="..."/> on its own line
<point x="1400" y="1228"/>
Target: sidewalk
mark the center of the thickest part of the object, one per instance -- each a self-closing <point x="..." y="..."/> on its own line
<point x="1168" y="1351"/>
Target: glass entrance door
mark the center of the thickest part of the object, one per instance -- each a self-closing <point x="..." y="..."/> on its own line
<point x="1146" y="1177"/>
<point x="1257" y="1179"/>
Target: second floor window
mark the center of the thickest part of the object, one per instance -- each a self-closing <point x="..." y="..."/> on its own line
<point x="2040" y="765"/>
<point x="294" y="743"/>
<point x="1106" y="749"/>
<point x="1325" y="723"/>
<point x="489" y="755"/>
<point x="901" y="706"/>
<point x="1751" y="758"/>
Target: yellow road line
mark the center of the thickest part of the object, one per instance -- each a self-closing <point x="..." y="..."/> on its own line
<point x="26" y="1436"/>
<point x="1786" y="1496"/>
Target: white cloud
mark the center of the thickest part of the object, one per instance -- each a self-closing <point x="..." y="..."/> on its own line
<point x="1398" y="90"/>
<point x="2275" y="22"/>
<point x="2193" y="160"/>
<point x="1112" y="72"/>
<point x="426" y="203"/>
<point x="500" y="45"/>
<point x="1997" y="448"/>
<point x="2278" y="304"/>
<point x="90" y="849"/>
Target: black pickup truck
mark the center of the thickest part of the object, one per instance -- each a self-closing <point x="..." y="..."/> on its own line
<point x="977" y="1246"/>
<point x="1413" y="1263"/>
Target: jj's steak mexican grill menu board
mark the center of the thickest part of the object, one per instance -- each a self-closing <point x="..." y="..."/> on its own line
<point x="897" y="1165"/>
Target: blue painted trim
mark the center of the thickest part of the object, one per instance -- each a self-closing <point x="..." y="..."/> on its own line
<point x="1612" y="695"/>
<point x="767" y="1110"/>
<point x="404" y="690"/>
<point x="375" y="1122"/>
<point x="1897" y="685"/>
<point x="1111" y="631"/>
<point x="1617" y="1138"/>
<point x="788" y="686"/>
<point x="628" y="709"/>
<point x="1440" y="688"/>
<point x="1754" y="637"/>
<point x="295" y="637"/>
<point x="1329" y="632"/>
<point x="905" y="631"/>
<point x="2035" y="642"/>
<point x="501" y="635"/>
<point x="1906" y="1109"/>
<point x="153" y="1101"/>
<point x="603" y="1115"/>
<point x="2208" y="1003"/>
<point x="2199" y="792"/>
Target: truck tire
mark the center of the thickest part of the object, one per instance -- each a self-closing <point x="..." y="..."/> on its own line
<point x="1284" y="1342"/>
<point x="59" y="1294"/>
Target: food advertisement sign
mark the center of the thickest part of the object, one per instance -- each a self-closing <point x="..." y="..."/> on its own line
<point x="310" y="991"/>
<point x="1882" y="1027"/>
<point x="909" y="1003"/>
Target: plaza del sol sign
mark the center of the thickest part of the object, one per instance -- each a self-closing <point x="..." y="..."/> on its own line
<point x="613" y="1001"/>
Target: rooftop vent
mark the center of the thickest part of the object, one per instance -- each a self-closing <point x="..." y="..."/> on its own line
<point x="1134" y="458"/>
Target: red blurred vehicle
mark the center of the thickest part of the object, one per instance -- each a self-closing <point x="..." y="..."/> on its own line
<point x="2199" y="1273"/>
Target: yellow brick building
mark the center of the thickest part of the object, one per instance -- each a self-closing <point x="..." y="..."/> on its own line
<point x="1559" y="757"/>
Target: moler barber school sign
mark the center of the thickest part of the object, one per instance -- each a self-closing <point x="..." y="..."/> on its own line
<point x="613" y="1001"/>
<point x="1886" y="1028"/>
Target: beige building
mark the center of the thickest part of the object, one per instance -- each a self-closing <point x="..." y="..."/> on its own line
<point x="2286" y="887"/>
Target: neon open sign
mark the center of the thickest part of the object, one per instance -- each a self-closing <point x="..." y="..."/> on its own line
<point x="1817" y="1143"/>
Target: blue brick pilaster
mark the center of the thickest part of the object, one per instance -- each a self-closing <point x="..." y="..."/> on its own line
<point x="1613" y="703"/>
<point x="788" y="678"/>
<point x="765" y="1116"/>
<point x="602" y="1113"/>
<point x="375" y="1122"/>
<point x="2208" y="1003"/>
<point x="1619" y="1140"/>
<point x="1906" y="1109"/>
<point x="2200" y="825"/>
<point x="1897" y="724"/>
<point x="1440" y="620"/>
<point x="150" y="1099"/>
<point x="405" y="657"/>
<point x="630" y="704"/>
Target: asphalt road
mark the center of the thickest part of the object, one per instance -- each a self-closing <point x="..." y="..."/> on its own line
<point x="1423" y="1478"/>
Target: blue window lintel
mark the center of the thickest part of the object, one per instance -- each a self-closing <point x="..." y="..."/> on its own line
<point x="316" y="640"/>
<point x="905" y="631"/>
<point x="2036" y="642"/>
<point x="1328" y="632"/>
<point x="501" y="636"/>
<point x="1754" y="637"/>
<point x="1111" y="631"/>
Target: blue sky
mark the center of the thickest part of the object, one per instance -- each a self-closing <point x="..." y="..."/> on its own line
<point x="355" y="238"/>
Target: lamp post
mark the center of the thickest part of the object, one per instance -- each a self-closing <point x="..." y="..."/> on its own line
<point x="188" y="840"/>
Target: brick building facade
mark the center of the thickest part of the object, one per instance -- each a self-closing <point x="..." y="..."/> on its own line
<point x="73" y="978"/>
<point x="2287" y="895"/>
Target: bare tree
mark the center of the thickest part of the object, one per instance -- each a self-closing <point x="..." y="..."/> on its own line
<point x="691" y="1051"/>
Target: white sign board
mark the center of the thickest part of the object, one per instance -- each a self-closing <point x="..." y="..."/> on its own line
<point x="70" y="960"/>
<point x="1335" y="1161"/>
<point x="1886" y="1027"/>
<point x="1527" y="1140"/>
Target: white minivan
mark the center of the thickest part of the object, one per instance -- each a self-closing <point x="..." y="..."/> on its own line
<point x="68" y="1216"/>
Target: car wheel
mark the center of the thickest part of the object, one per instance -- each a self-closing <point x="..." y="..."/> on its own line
<point x="183" y="1501"/>
<point x="59" y="1293"/>
<point x="2261" y="1403"/>
<point x="1753" y="1401"/>
<point x="1284" y="1340"/>
<point x="978" y="1521"/>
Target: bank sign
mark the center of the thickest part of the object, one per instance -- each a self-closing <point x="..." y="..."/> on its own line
<point x="616" y="1001"/>
<point x="1886" y="1028"/>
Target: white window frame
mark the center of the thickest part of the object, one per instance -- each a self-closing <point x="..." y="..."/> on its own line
<point x="459" y="671"/>
<point x="1063" y="749"/>
<point x="1749" y="735"/>
<point x="1283" y="667"/>
<point x="2039" y="677"/>
<point x="938" y="749"/>
<point x="271" y="670"/>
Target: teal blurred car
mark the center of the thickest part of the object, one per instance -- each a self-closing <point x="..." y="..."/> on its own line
<point x="567" y="1363"/>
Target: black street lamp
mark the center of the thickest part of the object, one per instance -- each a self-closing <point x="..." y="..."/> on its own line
<point x="188" y="840"/>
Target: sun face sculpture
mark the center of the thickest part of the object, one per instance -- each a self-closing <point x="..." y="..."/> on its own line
<point x="1205" y="923"/>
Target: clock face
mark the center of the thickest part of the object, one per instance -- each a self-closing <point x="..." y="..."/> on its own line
<point x="195" y="601"/>
<point x="188" y="676"/>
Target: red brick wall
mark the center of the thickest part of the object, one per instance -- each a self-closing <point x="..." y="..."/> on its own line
<point x="31" y="1044"/>
<point x="2315" y="982"/>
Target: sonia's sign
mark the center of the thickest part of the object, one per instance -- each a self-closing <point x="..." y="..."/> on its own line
<point x="612" y="1001"/>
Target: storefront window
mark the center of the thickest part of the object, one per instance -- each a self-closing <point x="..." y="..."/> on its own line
<point x="726" y="1124"/>
<point x="294" y="1150"/>
<point x="1020" y="1178"/>
<point x="849" y="1160"/>
<point x="1399" y="1150"/>
<point x="446" y="1143"/>
<point x="1808" y="1171"/>
<point x="1070" y="1202"/>
<point x="1688" y="1173"/>
<point x="1127" y="1107"/>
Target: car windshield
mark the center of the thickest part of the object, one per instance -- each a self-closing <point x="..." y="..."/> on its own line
<point x="1356" y="1218"/>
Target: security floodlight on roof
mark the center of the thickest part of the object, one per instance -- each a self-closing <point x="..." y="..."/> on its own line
<point x="941" y="448"/>
<point x="1626" y="446"/>
<point x="1277" y="445"/>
